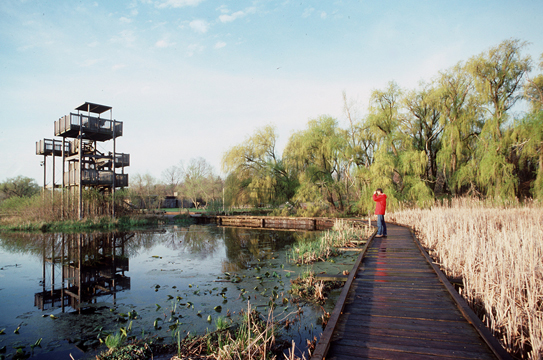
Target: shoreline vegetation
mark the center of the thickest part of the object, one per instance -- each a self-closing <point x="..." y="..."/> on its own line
<point x="253" y="336"/>
<point x="497" y="249"/>
<point x="91" y="224"/>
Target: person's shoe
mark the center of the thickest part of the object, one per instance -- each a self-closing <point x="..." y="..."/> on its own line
<point x="384" y="236"/>
<point x="379" y="236"/>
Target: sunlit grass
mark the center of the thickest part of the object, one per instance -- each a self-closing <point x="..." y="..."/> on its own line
<point x="497" y="248"/>
<point x="342" y="234"/>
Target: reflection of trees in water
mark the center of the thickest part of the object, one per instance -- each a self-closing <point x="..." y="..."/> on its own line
<point x="198" y="240"/>
<point x="245" y="246"/>
<point x="31" y="243"/>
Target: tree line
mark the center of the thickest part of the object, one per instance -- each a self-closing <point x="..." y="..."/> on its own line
<point x="452" y="136"/>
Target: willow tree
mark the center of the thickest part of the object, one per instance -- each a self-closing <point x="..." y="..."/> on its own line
<point x="533" y="90"/>
<point x="423" y="127"/>
<point x="530" y="133"/>
<point x="360" y="149"/>
<point x="461" y="118"/>
<point x="257" y="171"/>
<point x="318" y="155"/>
<point x="498" y="77"/>
<point x="398" y="166"/>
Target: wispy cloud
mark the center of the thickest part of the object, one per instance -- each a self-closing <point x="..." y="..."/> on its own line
<point x="307" y="12"/>
<point x="194" y="48"/>
<point x="219" y="44"/>
<point x="118" y="67"/>
<point x="126" y="37"/>
<point x="177" y="3"/>
<point x="200" y="26"/>
<point x="125" y="20"/>
<point x="324" y="15"/>
<point x="89" y="62"/>
<point x="238" y="14"/>
<point x="164" y="43"/>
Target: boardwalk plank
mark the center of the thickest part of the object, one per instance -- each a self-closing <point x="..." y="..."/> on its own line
<point x="403" y="352"/>
<point x="408" y="343"/>
<point x="462" y="337"/>
<point x="398" y="308"/>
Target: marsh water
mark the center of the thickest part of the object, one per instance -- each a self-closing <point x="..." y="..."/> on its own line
<point x="70" y="290"/>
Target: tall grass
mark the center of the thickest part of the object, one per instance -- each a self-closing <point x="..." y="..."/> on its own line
<point x="341" y="234"/>
<point x="497" y="248"/>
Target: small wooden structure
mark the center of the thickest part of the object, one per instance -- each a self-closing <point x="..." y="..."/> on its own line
<point x="83" y="165"/>
<point x="277" y="222"/>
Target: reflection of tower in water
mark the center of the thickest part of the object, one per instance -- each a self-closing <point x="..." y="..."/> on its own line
<point x="89" y="266"/>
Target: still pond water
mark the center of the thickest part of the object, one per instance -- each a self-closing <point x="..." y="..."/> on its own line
<point x="70" y="289"/>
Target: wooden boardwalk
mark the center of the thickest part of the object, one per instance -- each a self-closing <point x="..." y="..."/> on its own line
<point x="397" y="307"/>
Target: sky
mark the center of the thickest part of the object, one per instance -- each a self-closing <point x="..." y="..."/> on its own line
<point x="193" y="78"/>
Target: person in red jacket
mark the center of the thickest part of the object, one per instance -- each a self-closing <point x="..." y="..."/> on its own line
<point x="380" y="208"/>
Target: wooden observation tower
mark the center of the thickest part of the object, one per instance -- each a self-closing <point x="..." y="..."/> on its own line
<point x="83" y="164"/>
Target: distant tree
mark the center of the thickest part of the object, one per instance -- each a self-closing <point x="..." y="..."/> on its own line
<point x="144" y="190"/>
<point x="19" y="186"/>
<point x="172" y="177"/>
<point x="199" y="183"/>
<point x="261" y="173"/>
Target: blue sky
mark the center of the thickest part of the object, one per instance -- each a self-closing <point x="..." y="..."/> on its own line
<point x="193" y="78"/>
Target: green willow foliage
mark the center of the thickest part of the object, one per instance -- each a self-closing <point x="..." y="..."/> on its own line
<point x="452" y="136"/>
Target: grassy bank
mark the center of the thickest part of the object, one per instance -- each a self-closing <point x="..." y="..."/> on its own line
<point x="498" y="251"/>
<point x="95" y="223"/>
<point x="342" y="234"/>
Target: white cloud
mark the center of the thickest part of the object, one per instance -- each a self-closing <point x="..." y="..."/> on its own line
<point x="193" y="49"/>
<point x="125" y="37"/>
<point x="93" y="44"/>
<point x="219" y="44"/>
<point x="118" y="67"/>
<point x="324" y="15"/>
<point x="177" y="3"/>
<point x="307" y="12"/>
<point x="89" y="62"/>
<point x="163" y="44"/>
<point x="125" y="20"/>
<point x="223" y="9"/>
<point x="200" y="26"/>
<point x="238" y="14"/>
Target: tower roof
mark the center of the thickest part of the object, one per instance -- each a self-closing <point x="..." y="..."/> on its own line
<point x="93" y="108"/>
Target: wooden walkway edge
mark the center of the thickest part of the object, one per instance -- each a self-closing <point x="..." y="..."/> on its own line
<point x="397" y="304"/>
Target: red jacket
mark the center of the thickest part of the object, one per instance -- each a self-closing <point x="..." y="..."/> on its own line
<point x="381" y="204"/>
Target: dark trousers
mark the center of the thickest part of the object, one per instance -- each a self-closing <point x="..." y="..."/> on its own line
<point x="381" y="225"/>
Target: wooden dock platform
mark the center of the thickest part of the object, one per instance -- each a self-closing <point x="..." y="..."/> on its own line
<point x="397" y="306"/>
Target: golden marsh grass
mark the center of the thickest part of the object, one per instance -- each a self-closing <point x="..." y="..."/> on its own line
<point x="498" y="251"/>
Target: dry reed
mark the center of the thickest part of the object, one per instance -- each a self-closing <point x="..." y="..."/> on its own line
<point x="498" y="251"/>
